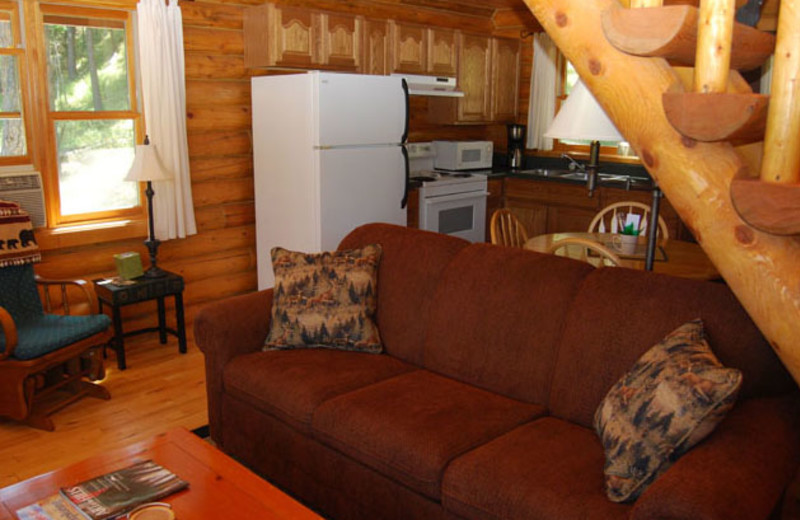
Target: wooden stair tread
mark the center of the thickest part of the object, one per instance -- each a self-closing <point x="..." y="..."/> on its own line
<point x="670" y="32"/>
<point x="740" y="118"/>
<point x="768" y="206"/>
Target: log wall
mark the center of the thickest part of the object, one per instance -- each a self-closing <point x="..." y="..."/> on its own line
<point x="220" y="260"/>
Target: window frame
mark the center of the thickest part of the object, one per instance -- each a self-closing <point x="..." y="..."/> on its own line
<point x="48" y="118"/>
<point x="19" y="51"/>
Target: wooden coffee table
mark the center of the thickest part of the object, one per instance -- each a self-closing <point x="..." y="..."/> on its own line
<point x="219" y="487"/>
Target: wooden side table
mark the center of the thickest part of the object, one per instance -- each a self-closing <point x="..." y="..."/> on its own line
<point x="143" y="289"/>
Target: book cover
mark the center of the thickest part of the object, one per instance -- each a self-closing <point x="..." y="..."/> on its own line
<point x="115" y="493"/>
<point x="54" y="507"/>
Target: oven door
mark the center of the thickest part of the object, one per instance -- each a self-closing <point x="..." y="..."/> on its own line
<point x="462" y="215"/>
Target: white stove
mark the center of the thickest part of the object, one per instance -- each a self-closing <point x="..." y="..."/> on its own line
<point x="450" y="202"/>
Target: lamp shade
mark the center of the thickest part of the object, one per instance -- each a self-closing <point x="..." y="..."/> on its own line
<point x="582" y="118"/>
<point x="147" y="165"/>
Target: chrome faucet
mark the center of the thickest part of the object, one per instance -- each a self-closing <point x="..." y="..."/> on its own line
<point x="573" y="164"/>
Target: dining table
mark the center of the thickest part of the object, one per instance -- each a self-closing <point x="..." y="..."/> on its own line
<point x="672" y="257"/>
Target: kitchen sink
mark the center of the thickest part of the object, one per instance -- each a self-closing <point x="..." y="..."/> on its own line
<point x="544" y="172"/>
<point x="602" y="178"/>
<point x="608" y="177"/>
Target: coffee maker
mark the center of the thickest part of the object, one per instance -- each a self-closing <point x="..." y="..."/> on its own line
<point x="516" y="145"/>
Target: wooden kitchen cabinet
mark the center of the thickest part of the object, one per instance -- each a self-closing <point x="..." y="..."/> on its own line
<point x="474" y="71"/>
<point x="377" y="47"/>
<point x="340" y="41"/>
<point x="505" y="79"/>
<point x="423" y="50"/>
<point x="442" y="52"/>
<point x="410" y="48"/>
<point x="555" y="207"/>
<point x="291" y="37"/>
<point x="280" y="36"/>
<point x="550" y="207"/>
<point x="488" y="74"/>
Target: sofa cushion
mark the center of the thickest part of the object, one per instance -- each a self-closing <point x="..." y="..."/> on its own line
<point x="411" y="265"/>
<point x="545" y="469"/>
<point x="411" y="426"/>
<point x="672" y="398"/>
<point x="325" y="300"/>
<point x="497" y="316"/>
<point x="291" y="384"/>
<point x="597" y="349"/>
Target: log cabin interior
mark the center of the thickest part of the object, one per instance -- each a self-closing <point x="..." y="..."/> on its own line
<point x="735" y="194"/>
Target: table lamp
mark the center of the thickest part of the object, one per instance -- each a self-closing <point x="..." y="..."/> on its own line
<point x="147" y="166"/>
<point x="582" y="118"/>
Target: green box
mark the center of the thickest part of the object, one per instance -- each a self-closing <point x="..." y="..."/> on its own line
<point x="129" y="265"/>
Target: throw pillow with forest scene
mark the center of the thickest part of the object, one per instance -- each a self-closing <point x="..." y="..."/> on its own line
<point x="325" y="300"/>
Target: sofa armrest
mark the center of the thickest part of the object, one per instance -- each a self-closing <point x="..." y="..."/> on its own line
<point x="739" y="471"/>
<point x="224" y="330"/>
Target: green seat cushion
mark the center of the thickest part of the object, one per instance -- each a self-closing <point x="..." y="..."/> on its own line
<point x="51" y="332"/>
<point x="18" y="293"/>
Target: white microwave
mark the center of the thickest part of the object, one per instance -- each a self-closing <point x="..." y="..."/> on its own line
<point x="462" y="155"/>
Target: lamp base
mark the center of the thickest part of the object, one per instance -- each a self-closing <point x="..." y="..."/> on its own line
<point x="155" y="272"/>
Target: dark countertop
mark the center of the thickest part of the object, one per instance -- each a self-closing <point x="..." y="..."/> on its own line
<point x="633" y="180"/>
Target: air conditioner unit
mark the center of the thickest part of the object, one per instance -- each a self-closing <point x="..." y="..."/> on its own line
<point x="25" y="188"/>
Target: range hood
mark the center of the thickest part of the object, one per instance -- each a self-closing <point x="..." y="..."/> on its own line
<point x="442" y="86"/>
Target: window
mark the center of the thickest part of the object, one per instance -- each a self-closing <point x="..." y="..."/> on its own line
<point x="568" y="77"/>
<point x="91" y="112"/>
<point x="13" y="131"/>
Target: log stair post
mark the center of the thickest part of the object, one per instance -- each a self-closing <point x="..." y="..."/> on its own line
<point x="772" y="203"/>
<point x="696" y="175"/>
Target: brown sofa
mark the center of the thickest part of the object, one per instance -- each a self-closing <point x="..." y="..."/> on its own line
<point x="482" y="405"/>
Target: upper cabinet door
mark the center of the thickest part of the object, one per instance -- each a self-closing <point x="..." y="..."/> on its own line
<point x="505" y="79"/>
<point x="280" y="36"/>
<point x="474" y="69"/>
<point x="377" y="47"/>
<point x="341" y="41"/>
<point x="442" y="53"/>
<point x="410" y="45"/>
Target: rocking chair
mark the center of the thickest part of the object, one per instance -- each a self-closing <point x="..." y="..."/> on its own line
<point x="44" y="357"/>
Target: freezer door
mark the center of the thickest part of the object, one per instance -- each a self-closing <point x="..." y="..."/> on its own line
<point x="357" y="110"/>
<point x="358" y="186"/>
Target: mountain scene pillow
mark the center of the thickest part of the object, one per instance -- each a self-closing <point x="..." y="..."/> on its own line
<point x="671" y="399"/>
<point x="325" y="300"/>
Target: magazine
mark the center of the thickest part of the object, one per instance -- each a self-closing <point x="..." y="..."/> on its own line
<point x="54" y="507"/>
<point x="115" y="493"/>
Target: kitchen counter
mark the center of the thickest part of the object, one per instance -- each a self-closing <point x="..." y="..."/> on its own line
<point x="606" y="180"/>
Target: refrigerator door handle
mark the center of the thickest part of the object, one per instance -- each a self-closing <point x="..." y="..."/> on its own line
<point x="404" y="138"/>
<point x="404" y="202"/>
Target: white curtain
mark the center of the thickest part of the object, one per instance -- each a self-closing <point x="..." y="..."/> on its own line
<point x="542" y="106"/>
<point x="164" y="99"/>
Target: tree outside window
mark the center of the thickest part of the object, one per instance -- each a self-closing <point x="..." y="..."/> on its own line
<point x="92" y="111"/>
<point x="13" y="139"/>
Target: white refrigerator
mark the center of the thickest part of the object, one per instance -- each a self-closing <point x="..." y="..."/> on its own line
<point x="328" y="156"/>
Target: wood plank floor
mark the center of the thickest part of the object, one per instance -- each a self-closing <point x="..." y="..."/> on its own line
<point x="160" y="390"/>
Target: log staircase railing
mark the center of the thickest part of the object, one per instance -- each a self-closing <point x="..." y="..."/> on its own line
<point x="727" y="158"/>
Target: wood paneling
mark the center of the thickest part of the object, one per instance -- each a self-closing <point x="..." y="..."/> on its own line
<point x="220" y="260"/>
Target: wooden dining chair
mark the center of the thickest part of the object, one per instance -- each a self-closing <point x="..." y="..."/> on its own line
<point x="607" y="219"/>
<point x="505" y="229"/>
<point x="586" y="251"/>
